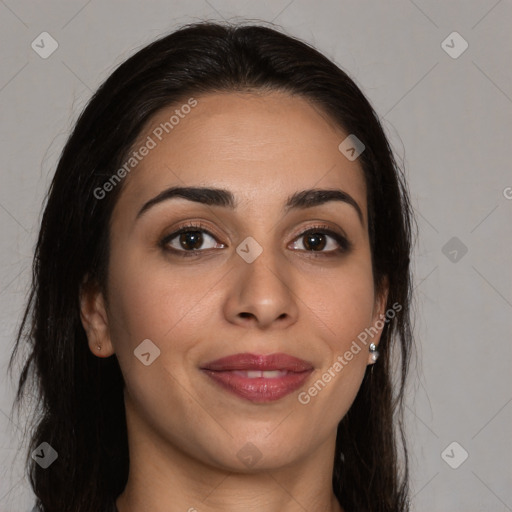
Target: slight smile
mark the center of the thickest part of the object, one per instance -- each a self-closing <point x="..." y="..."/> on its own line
<point x="259" y="378"/>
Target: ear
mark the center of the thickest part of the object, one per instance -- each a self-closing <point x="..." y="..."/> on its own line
<point x="379" y="311"/>
<point x="93" y="314"/>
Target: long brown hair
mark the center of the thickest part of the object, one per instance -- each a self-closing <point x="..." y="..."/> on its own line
<point x="80" y="396"/>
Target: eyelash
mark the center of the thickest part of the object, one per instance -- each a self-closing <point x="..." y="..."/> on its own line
<point x="344" y="244"/>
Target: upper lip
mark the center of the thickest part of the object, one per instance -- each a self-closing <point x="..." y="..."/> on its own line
<point x="269" y="362"/>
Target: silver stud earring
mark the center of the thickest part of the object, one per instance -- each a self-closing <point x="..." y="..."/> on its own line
<point x="374" y="352"/>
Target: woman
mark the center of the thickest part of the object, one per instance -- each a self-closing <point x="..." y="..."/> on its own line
<point x="221" y="289"/>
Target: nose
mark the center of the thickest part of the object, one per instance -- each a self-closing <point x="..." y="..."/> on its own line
<point x="262" y="292"/>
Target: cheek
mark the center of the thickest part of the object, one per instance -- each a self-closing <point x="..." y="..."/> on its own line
<point x="342" y="310"/>
<point x="152" y="300"/>
<point x="343" y="304"/>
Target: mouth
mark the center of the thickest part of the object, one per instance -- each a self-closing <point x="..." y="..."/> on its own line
<point x="259" y="378"/>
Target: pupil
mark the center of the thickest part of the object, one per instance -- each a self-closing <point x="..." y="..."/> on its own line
<point x="191" y="240"/>
<point x="318" y="241"/>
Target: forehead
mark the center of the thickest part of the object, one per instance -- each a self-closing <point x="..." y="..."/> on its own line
<point x="263" y="147"/>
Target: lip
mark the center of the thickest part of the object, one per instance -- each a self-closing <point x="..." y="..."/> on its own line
<point x="246" y="362"/>
<point x="228" y="372"/>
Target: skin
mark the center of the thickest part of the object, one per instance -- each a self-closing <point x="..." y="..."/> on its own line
<point x="184" y="430"/>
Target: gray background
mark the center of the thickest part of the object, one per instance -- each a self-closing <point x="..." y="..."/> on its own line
<point x="449" y="121"/>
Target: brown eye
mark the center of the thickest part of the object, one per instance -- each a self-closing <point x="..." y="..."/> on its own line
<point x="322" y="240"/>
<point x="190" y="240"/>
<point x="186" y="240"/>
<point x="315" y="241"/>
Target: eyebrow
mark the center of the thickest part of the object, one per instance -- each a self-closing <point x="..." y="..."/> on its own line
<point x="222" y="197"/>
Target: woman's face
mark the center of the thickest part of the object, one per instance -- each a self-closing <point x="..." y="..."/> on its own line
<point x="253" y="283"/>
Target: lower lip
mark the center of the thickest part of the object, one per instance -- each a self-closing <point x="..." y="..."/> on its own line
<point x="259" y="389"/>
